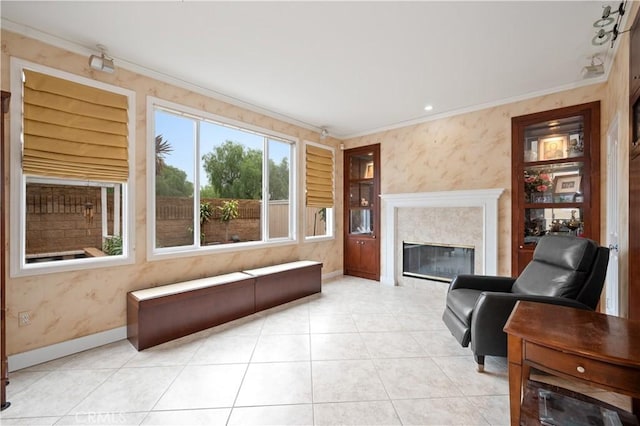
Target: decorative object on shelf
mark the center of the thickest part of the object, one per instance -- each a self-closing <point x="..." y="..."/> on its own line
<point x="368" y="173"/>
<point x="537" y="181"/>
<point x="364" y="202"/>
<point x="576" y="146"/>
<point x="556" y="225"/>
<point x="573" y="224"/>
<point x="553" y="148"/>
<point x="567" y="184"/>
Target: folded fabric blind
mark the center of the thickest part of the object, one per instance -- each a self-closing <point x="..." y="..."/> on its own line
<point x="74" y="131"/>
<point x="319" y="176"/>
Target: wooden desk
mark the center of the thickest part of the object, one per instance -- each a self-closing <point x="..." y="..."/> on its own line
<point x="597" y="349"/>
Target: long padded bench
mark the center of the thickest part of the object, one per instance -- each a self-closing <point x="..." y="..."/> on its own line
<point x="283" y="283"/>
<point x="160" y="314"/>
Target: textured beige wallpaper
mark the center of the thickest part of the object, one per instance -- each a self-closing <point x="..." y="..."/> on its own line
<point x="74" y="304"/>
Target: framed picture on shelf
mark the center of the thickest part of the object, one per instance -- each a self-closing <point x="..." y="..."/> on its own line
<point x="552" y="148"/>
<point x="568" y="184"/>
<point x="368" y="172"/>
<point x="576" y="146"/>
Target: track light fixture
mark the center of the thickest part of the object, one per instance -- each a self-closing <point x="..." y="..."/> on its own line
<point x="603" y="35"/>
<point x="102" y="62"/>
<point x="596" y="68"/>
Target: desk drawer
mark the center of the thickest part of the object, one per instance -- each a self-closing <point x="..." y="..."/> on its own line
<point x="608" y="375"/>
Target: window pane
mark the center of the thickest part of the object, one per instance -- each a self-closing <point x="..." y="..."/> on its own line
<point x="231" y="183"/>
<point x="279" y="184"/>
<point x="174" y="177"/>
<point x="66" y="221"/>
<point x="317" y="222"/>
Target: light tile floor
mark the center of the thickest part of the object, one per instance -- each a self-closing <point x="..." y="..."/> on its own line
<point x="358" y="353"/>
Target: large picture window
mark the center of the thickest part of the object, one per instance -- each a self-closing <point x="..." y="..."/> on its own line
<point x="70" y="169"/>
<point x="217" y="184"/>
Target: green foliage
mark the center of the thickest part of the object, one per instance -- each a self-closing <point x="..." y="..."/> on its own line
<point x="163" y="148"/>
<point x="172" y="182"/>
<point x="234" y="171"/>
<point x="228" y="210"/>
<point x="208" y="192"/>
<point x="206" y="213"/>
<point x="112" y="245"/>
<point x="279" y="180"/>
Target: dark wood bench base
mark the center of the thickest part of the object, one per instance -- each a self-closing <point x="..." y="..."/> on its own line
<point x="160" y="314"/>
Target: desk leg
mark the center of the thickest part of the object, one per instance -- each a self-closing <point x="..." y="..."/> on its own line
<point x="516" y="375"/>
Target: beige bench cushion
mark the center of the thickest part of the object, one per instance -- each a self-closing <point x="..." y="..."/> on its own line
<point x="267" y="270"/>
<point x="170" y="289"/>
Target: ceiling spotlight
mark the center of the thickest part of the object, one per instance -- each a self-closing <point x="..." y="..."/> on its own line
<point x="102" y="62"/>
<point x="595" y="69"/>
<point x="428" y="108"/>
<point x="324" y="133"/>
<point x="605" y="34"/>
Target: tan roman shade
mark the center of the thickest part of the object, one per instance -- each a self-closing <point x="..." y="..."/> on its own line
<point x="319" y="177"/>
<point x="74" y="131"/>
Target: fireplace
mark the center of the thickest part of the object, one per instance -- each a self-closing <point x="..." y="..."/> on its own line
<point x="460" y="218"/>
<point x="440" y="262"/>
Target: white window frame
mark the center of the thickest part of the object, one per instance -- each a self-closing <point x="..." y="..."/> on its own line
<point x="18" y="266"/>
<point x="154" y="253"/>
<point x="331" y="219"/>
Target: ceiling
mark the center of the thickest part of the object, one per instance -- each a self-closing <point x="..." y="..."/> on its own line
<point x="352" y="67"/>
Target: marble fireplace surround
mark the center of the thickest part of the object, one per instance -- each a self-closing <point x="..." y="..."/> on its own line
<point x="485" y="199"/>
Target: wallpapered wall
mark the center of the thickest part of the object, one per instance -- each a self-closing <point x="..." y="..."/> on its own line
<point x="74" y="304"/>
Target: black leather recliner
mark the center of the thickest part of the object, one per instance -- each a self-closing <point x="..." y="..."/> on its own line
<point x="565" y="270"/>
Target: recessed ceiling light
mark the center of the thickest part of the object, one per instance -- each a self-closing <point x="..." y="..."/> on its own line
<point x="428" y="108"/>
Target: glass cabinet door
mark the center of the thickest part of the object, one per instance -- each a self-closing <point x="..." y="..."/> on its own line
<point x="361" y="193"/>
<point x="555" y="177"/>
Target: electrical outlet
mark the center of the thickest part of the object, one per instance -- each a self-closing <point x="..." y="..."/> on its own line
<point x="24" y="318"/>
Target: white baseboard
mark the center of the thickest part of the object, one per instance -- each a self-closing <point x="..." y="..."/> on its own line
<point x="332" y="275"/>
<point x="70" y="347"/>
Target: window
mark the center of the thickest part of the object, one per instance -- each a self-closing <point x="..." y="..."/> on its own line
<point x="70" y="171"/>
<point x="217" y="184"/>
<point x="319" y="190"/>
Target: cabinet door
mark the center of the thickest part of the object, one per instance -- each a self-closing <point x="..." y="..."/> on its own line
<point x="362" y="212"/>
<point x="556" y="166"/>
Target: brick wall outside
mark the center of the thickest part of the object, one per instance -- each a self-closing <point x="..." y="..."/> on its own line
<point x="174" y="219"/>
<point x="56" y="220"/>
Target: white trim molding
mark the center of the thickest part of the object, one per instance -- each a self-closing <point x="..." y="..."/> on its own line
<point x="69" y="347"/>
<point x="485" y="198"/>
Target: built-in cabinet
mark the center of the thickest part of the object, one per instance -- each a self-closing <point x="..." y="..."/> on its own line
<point x="3" y="217"/>
<point x="556" y="177"/>
<point x="362" y="212"/>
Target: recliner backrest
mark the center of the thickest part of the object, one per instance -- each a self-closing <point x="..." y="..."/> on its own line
<point x="560" y="267"/>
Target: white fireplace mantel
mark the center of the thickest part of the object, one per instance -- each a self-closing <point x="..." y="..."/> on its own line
<point x="485" y="198"/>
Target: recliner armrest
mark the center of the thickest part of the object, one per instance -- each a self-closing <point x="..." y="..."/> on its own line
<point x="482" y="282"/>
<point x="490" y="315"/>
